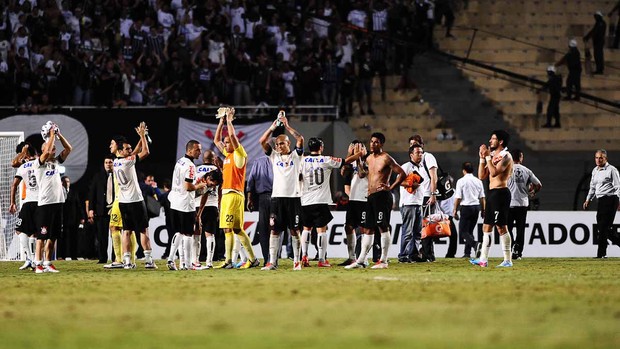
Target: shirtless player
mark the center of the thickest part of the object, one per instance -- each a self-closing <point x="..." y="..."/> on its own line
<point x="380" y="167"/>
<point x="496" y="163"/>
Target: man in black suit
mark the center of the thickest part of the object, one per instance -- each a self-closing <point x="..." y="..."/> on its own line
<point x="99" y="203"/>
<point x="72" y="218"/>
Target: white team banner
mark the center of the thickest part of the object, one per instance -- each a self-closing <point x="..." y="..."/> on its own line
<point x="204" y="132"/>
<point x="548" y="234"/>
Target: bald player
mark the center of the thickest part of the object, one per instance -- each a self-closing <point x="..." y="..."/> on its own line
<point x="285" y="211"/>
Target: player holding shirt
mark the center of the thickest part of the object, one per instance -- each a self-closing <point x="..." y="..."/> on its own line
<point x="496" y="163"/>
<point x="233" y="186"/>
<point x="51" y="199"/>
<point x="285" y="210"/>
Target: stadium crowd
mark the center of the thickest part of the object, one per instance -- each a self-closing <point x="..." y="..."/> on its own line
<point x="198" y="53"/>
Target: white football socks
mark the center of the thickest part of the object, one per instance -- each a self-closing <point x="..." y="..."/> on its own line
<point x="322" y="243"/>
<point x="196" y="249"/>
<point x="235" y="250"/>
<point x="23" y="246"/>
<point x="305" y="242"/>
<point x="32" y="242"/>
<point x="148" y="256"/>
<point x="274" y="241"/>
<point x="367" y="241"/>
<point x="385" y="246"/>
<point x="506" y="241"/>
<point x="296" y="248"/>
<point x="210" y="249"/>
<point x="174" y="246"/>
<point x="351" y="242"/>
<point x="486" y="245"/>
<point x="188" y="246"/>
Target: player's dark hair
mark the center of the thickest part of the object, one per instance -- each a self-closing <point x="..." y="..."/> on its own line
<point x="380" y="136"/>
<point x="502" y="136"/>
<point x="412" y="148"/>
<point x="120" y="140"/>
<point x="315" y="144"/>
<point x="191" y="144"/>
<point x="418" y="139"/>
<point x="166" y="183"/>
<point x="31" y="150"/>
<point x="468" y="167"/>
<point x="215" y="175"/>
<point x="516" y="154"/>
<point x="109" y="157"/>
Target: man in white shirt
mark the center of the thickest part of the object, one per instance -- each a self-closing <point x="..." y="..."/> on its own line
<point x="411" y="200"/>
<point x="522" y="184"/>
<point x="131" y="201"/>
<point x="470" y="198"/>
<point x="429" y="190"/>
<point x="182" y="202"/>
<point x="357" y="16"/>
<point x="51" y="199"/>
<point x="605" y="186"/>
<point x="286" y="193"/>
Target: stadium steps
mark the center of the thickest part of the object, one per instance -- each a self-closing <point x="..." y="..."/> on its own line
<point x="403" y="114"/>
<point x="559" y="157"/>
<point x="549" y="24"/>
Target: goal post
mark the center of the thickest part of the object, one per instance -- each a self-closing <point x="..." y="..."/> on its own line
<point x="9" y="246"/>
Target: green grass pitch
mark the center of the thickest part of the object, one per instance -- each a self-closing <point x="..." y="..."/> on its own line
<point x="539" y="303"/>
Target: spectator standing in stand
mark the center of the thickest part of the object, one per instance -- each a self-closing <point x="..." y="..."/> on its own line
<point x="572" y="59"/>
<point x="597" y="34"/>
<point x="554" y="87"/>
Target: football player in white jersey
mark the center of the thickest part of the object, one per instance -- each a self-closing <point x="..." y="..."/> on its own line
<point x="131" y="201"/>
<point x="206" y="215"/>
<point x="183" y="200"/>
<point x="285" y="209"/>
<point x="523" y="184"/>
<point x="316" y="170"/>
<point x="51" y="199"/>
<point x="25" y="227"/>
<point x="357" y="208"/>
<point x="208" y="206"/>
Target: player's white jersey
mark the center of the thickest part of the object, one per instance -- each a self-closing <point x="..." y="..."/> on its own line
<point x="50" y="185"/>
<point x="519" y="183"/>
<point x="180" y="198"/>
<point x="316" y="171"/>
<point x="29" y="190"/>
<point x="359" y="186"/>
<point x="127" y="179"/>
<point x="212" y="193"/>
<point x="286" y="174"/>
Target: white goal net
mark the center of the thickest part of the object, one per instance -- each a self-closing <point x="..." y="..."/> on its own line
<point x="8" y="243"/>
